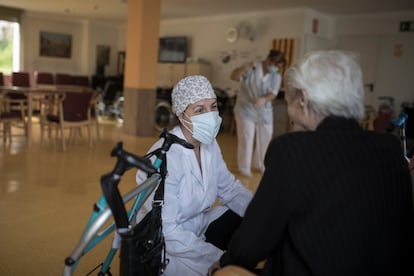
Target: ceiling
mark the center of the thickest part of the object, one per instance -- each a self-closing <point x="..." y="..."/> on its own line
<point x="170" y="9"/>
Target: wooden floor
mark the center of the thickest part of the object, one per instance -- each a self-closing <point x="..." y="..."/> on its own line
<point x="46" y="197"/>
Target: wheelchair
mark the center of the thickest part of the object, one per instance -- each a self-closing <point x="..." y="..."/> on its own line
<point x="164" y="117"/>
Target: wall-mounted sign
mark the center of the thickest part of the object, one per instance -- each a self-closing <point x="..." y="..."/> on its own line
<point x="407" y="26"/>
<point x="398" y="50"/>
<point x="315" y="26"/>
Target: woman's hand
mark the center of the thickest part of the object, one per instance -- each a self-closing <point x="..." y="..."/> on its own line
<point x="233" y="270"/>
<point x="260" y="101"/>
<point x="214" y="267"/>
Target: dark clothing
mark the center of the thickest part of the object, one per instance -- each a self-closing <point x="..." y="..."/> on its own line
<point x="335" y="201"/>
<point x="220" y="231"/>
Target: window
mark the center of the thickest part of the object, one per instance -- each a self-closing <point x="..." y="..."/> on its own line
<point x="9" y="47"/>
<point x="9" y="39"/>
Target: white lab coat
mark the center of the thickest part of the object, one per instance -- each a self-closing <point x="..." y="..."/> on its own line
<point x="190" y="196"/>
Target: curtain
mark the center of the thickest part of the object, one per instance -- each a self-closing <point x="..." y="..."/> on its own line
<point x="10" y="14"/>
<point x="287" y="46"/>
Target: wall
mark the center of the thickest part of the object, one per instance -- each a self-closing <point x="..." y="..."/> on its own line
<point x="31" y="28"/>
<point x="102" y="33"/>
<point x="86" y="35"/>
<point x="378" y="34"/>
<point x="207" y="35"/>
<point x="387" y="55"/>
<point x="321" y="37"/>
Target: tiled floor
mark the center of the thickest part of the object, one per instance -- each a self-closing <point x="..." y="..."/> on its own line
<point x="46" y="197"/>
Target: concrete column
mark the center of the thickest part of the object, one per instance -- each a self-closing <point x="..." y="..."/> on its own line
<point x="143" y="25"/>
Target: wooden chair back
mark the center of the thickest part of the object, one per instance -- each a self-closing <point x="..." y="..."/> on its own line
<point x="44" y="78"/>
<point x="21" y="79"/>
<point x="81" y="81"/>
<point x="63" y="79"/>
<point x="1" y="79"/>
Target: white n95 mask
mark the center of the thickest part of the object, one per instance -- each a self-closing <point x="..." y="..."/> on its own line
<point x="205" y="126"/>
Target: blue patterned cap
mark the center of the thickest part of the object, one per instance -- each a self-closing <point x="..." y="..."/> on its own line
<point x="190" y="90"/>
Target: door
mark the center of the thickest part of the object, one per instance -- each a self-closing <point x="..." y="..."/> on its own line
<point x="387" y="63"/>
<point x="367" y="48"/>
<point x="395" y="72"/>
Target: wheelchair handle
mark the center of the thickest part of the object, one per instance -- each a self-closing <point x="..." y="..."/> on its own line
<point x="127" y="160"/>
<point x="172" y="139"/>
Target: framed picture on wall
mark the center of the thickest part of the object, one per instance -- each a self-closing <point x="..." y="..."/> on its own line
<point x="55" y="45"/>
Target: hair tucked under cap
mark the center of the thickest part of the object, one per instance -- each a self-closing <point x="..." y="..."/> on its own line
<point x="190" y="90"/>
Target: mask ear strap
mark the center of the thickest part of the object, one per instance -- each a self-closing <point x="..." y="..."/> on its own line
<point x="183" y="121"/>
<point x="181" y="118"/>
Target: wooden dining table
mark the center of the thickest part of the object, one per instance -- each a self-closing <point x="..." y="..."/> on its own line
<point x="32" y="92"/>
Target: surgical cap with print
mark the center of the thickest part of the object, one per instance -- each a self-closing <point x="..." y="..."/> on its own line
<point x="190" y="90"/>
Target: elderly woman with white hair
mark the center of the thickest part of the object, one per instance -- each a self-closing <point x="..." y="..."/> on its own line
<point x="196" y="230"/>
<point x="334" y="199"/>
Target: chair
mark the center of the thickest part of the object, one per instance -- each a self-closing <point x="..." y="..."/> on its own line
<point x="18" y="101"/>
<point x="109" y="97"/>
<point x="1" y="79"/>
<point x="8" y="117"/>
<point x="43" y="78"/>
<point x="21" y="79"/>
<point x="80" y="81"/>
<point x="367" y="122"/>
<point x="63" y="79"/>
<point x="382" y="122"/>
<point x="73" y="112"/>
<point x="94" y="110"/>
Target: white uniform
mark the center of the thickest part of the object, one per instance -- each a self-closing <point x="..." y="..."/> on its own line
<point x="190" y="196"/>
<point x="251" y="120"/>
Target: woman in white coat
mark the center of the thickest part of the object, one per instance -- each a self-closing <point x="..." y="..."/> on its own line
<point x="259" y="85"/>
<point x="196" y="229"/>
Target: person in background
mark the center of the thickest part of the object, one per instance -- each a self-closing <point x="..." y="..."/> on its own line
<point x="334" y="199"/>
<point x="259" y="85"/>
<point x="196" y="230"/>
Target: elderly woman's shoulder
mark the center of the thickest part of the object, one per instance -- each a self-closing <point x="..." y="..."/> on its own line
<point x="295" y="136"/>
<point x="291" y="140"/>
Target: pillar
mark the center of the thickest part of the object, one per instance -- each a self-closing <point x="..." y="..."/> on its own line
<point x="143" y="25"/>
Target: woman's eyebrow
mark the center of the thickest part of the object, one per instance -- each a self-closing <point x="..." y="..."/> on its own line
<point x="199" y="105"/>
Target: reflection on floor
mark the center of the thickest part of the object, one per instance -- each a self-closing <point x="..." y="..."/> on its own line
<point x="46" y="197"/>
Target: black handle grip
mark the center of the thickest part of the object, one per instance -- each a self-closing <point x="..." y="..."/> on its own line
<point x="127" y="160"/>
<point x="110" y="181"/>
<point x="170" y="139"/>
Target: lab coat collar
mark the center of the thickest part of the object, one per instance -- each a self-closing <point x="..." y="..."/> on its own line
<point x="195" y="169"/>
<point x="206" y="155"/>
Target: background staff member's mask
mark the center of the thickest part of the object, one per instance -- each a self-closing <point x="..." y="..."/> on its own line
<point x="205" y="126"/>
<point x="272" y="69"/>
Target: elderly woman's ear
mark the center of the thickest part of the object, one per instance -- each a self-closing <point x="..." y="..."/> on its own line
<point x="303" y="98"/>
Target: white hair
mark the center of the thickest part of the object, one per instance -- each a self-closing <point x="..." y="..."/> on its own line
<point x="332" y="81"/>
